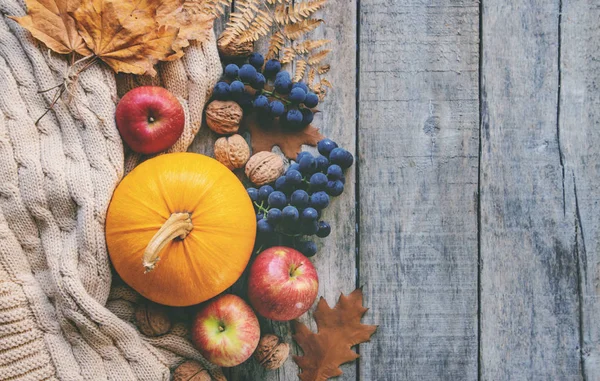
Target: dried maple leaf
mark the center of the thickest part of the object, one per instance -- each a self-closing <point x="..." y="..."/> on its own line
<point x="193" y="23"/>
<point x="50" y="22"/>
<point x="264" y="137"/>
<point x="338" y="329"/>
<point x="125" y="34"/>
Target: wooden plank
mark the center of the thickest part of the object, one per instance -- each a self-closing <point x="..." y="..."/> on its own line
<point x="580" y="138"/>
<point x="418" y="145"/>
<point x="529" y="284"/>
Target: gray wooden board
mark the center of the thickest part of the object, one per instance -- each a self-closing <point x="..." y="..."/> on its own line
<point x="529" y="274"/>
<point x="418" y="156"/>
<point x="579" y="125"/>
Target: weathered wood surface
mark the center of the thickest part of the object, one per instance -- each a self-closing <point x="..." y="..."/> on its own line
<point x="477" y="188"/>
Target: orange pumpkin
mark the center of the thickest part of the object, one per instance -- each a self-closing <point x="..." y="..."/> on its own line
<point x="180" y="229"/>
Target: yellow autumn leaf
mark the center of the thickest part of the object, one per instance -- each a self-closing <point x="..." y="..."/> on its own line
<point x="50" y="22"/>
<point x="193" y="23"/>
<point x="124" y="34"/>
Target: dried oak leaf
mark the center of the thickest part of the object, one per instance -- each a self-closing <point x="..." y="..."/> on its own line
<point x="125" y="34"/>
<point x="193" y="23"/>
<point x="264" y="137"/>
<point x="50" y="22"/>
<point x="338" y="329"/>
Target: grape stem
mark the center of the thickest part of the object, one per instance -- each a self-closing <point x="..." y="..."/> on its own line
<point x="274" y="95"/>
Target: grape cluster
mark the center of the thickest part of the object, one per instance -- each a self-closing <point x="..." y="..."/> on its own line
<point x="293" y="205"/>
<point x="274" y="95"/>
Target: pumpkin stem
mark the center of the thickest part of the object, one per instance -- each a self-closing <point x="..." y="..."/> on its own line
<point x="178" y="225"/>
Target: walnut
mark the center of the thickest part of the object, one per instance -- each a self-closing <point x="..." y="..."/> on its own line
<point x="232" y="151"/>
<point x="191" y="371"/>
<point x="224" y="117"/>
<point x="152" y="319"/>
<point x="271" y="352"/>
<point x="264" y="167"/>
<point x="234" y="49"/>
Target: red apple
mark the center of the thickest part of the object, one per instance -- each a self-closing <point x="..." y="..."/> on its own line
<point x="282" y="284"/>
<point x="150" y="119"/>
<point x="226" y="330"/>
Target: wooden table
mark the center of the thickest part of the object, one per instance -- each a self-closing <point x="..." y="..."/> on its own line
<point x="472" y="217"/>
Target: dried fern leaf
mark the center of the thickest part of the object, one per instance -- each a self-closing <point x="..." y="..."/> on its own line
<point x="241" y="20"/>
<point x="300" y="70"/>
<point x="294" y="31"/>
<point x="325" y="83"/>
<point x="297" y="12"/>
<point x="323" y="69"/>
<point x="216" y="8"/>
<point x="308" y="46"/>
<point x="276" y="43"/>
<point x="261" y="26"/>
<point x="288" y="55"/>
<point x="311" y="76"/>
<point x="318" y="57"/>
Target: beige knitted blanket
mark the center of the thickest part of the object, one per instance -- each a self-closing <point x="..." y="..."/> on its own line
<point x="59" y="317"/>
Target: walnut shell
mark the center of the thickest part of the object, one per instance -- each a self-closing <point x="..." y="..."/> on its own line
<point x="234" y="49"/>
<point x="271" y="352"/>
<point x="191" y="371"/>
<point x="224" y="117"/>
<point x="152" y="319"/>
<point x="232" y="151"/>
<point x="264" y="167"/>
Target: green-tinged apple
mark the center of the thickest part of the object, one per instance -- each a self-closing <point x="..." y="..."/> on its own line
<point x="150" y="119"/>
<point x="282" y="284"/>
<point x="226" y="330"/>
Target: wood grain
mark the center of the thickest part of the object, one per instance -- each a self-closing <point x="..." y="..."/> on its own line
<point x="529" y="273"/>
<point x="579" y="124"/>
<point x="418" y="155"/>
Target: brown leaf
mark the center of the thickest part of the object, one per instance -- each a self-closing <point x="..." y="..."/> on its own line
<point x="339" y="329"/>
<point x="124" y="34"/>
<point x="264" y="137"/>
<point x="194" y="23"/>
<point x="50" y="22"/>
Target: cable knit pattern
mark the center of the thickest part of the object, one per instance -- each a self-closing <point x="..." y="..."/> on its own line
<point x="59" y="318"/>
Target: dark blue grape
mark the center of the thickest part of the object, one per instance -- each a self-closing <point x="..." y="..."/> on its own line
<point x="277" y="108"/>
<point x="297" y="95"/>
<point x="274" y="215"/>
<point x="322" y="163"/>
<point x="334" y="188"/>
<point x="236" y="88"/>
<point x="272" y="67"/>
<point x="256" y="60"/>
<point x="231" y="71"/>
<point x="245" y="100"/>
<point x="301" y="155"/>
<point x="252" y="193"/>
<point x="293" y="118"/>
<point x="277" y="199"/>
<point x="263" y="226"/>
<point x="299" y="198"/>
<point x="319" y="200"/>
<point x="308" y="248"/>
<point x="307" y="116"/>
<point x="290" y="214"/>
<point x="311" y="100"/>
<point x="294" y="167"/>
<point x="325" y="146"/>
<point x="307" y="164"/>
<point x="283" y="85"/>
<point x="310" y="214"/>
<point x="341" y="157"/>
<point x="247" y="73"/>
<point x="221" y="91"/>
<point x="282" y="75"/>
<point x="310" y="227"/>
<point x="259" y="216"/>
<point x="324" y="229"/>
<point x="293" y="177"/>
<point x="301" y="85"/>
<point x="261" y="103"/>
<point x="259" y="82"/>
<point x="318" y="181"/>
<point x="264" y="192"/>
<point x="334" y="172"/>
